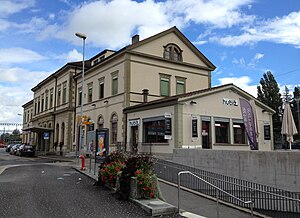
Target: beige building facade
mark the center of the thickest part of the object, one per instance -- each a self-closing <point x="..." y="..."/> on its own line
<point x="205" y="119"/>
<point x="160" y="66"/>
<point x="163" y="65"/>
<point x="50" y="124"/>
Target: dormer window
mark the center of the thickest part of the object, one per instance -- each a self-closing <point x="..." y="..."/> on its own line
<point x="172" y="52"/>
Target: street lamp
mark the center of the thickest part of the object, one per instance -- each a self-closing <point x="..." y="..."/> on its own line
<point x="83" y="37"/>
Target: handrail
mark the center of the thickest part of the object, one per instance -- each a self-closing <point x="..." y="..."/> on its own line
<point x="217" y="196"/>
<point x="252" y="189"/>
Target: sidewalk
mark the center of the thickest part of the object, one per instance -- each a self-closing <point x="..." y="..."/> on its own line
<point x="190" y="201"/>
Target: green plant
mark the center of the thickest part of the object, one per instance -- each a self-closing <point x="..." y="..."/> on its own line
<point x="110" y="171"/>
<point x="146" y="184"/>
<point x="132" y="164"/>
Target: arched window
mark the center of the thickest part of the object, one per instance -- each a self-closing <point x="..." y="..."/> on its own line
<point x="172" y="52"/>
<point x="114" y="128"/>
<point x="100" y="122"/>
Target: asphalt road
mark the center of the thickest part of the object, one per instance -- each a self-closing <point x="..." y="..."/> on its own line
<point x="36" y="188"/>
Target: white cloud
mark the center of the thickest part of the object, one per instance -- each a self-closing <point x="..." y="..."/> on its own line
<point x="218" y="13"/>
<point x="255" y="60"/>
<point x="71" y="56"/>
<point x="284" y="30"/>
<point x="15" y="90"/>
<point x="18" y="55"/>
<point x="4" y="24"/>
<point x="258" y="56"/>
<point x="241" y="82"/>
<point x="112" y="23"/>
<point x="9" y="7"/>
<point x="240" y="62"/>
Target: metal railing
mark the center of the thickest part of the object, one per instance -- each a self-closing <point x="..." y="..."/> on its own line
<point x="266" y="199"/>
<point x="217" y="193"/>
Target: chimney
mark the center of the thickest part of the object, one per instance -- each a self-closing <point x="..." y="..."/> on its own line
<point x="135" y="39"/>
<point x="145" y="95"/>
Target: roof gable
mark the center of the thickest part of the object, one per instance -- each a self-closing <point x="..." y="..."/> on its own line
<point x="154" y="46"/>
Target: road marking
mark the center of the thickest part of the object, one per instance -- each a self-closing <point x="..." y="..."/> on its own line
<point x="191" y="215"/>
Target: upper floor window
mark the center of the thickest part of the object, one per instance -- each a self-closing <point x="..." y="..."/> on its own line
<point x="101" y="88"/>
<point x="79" y="96"/>
<point x="39" y="106"/>
<point x="172" y="52"/>
<point x="164" y="85"/>
<point x="51" y="98"/>
<point x="42" y="106"/>
<point x="46" y="101"/>
<point x="35" y="107"/>
<point x="114" y="78"/>
<point x="90" y="92"/>
<point x="180" y="85"/>
<point x="58" y="95"/>
<point x="64" y="93"/>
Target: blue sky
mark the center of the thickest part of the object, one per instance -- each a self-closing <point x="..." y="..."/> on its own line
<point x="242" y="38"/>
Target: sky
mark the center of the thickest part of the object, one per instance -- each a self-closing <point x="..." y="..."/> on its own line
<point x="243" y="38"/>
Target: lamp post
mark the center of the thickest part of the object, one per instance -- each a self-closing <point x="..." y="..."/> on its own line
<point x="83" y="37"/>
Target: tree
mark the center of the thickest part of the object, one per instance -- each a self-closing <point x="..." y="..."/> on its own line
<point x="268" y="92"/>
<point x="296" y="110"/>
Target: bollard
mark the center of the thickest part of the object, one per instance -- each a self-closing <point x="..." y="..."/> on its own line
<point x="82" y="162"/>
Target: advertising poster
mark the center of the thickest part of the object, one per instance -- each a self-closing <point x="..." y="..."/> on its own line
<point x="101" y="143"/>
<point x="168" y="126"/>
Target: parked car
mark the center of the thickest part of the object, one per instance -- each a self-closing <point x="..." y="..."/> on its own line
<point x="2" y="146"/>
<point x="8" y="147"/>
<point x="14" y="148"/>
<point x="27" y="150"/>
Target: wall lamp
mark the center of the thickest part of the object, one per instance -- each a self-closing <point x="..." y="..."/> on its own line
<point x="264" y="110"/>
<point x="93" y="105"/>
<point x="105" y="101"/>
<point x="193" y="102"/>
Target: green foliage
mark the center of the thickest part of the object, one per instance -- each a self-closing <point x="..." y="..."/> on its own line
<point x="295" y="106"/>
<point x="119" y="167"/>
<point x="114" y="156"/>
<point x="110" y="171"/>
<point x="268" y="92"/>
<point x="146" y="184"/>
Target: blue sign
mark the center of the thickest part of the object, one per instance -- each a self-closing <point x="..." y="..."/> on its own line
<point x="46" y="135"/>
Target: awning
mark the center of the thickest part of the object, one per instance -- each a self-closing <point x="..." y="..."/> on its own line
<point x="37" y="129"/>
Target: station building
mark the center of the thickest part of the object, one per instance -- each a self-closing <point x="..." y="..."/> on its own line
<point x="162" y="69"/>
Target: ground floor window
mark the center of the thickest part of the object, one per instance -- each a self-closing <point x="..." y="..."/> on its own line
<point x="114" y="129"/>
<point x="222" y="132"/>
<point x="154" y="131"/>
<point x="239" y="133"/>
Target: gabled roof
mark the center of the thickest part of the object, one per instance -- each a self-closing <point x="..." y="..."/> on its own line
<point x="180" y="36"/>
<point x="172" y="100"/>
<point x="151" y="38"/>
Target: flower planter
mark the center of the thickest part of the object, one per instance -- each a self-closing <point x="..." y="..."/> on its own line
<point x="138" y="193"/>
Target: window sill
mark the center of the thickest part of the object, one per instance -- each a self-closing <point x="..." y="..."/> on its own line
<point x="227" y="144"/>
<point x="156" y="144"/>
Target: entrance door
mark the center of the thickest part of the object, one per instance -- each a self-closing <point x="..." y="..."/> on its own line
<point x="206" y="140"/>
<point x="134" y="139"/>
